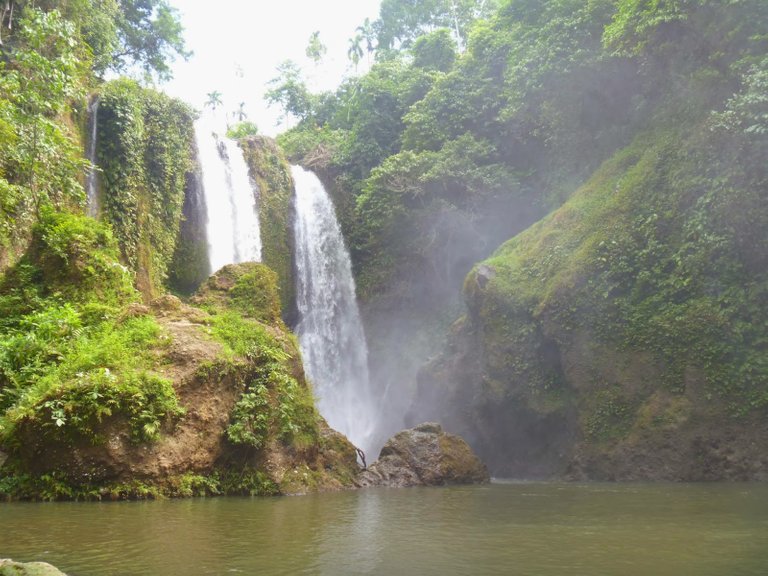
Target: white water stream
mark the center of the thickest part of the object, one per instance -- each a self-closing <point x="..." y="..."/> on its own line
<point x="92" y="207"/>
<point x="230" y="197"/>
<point x="330" y="331"/>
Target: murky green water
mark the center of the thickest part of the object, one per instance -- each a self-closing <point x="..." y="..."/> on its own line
<point x="516" y="529"/>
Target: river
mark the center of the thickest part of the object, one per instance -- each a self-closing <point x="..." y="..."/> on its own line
<point x="531" y="529"/>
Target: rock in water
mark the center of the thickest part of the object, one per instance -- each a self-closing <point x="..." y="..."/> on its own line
<point x="425" y="456"/>
<point x="11" y="568"/>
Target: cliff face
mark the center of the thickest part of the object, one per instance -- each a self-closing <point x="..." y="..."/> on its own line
<point x="623" y="337"/>
<point x="110" y="387"/>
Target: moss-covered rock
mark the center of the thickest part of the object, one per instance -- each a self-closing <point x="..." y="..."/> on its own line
<point x="11" y="568"/>
<point x="250" y="288"/>
<point x="78" y="260"/>
<point x="425" y="456"/>
<point x="269" y="169"/>
<point x="623" y="336"/>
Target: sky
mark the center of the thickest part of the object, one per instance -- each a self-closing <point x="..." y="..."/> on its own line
<point x="238" y="45"/>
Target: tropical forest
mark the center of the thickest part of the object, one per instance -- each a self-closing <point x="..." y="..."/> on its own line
<point x="458" y="287"/>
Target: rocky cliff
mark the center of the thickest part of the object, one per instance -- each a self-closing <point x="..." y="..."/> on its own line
<point x="623" y="337"/>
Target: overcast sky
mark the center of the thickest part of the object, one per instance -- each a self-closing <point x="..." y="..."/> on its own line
<point x="238" y="45"/>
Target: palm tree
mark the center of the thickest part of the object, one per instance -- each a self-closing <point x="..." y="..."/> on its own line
<point x="214" y="100"/>
<point x="355" y="51"/>
<point x="368" y="34"/>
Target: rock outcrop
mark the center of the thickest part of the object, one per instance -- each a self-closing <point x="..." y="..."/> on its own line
<point x="246" y="423"/>
<point x="425" y="456"/>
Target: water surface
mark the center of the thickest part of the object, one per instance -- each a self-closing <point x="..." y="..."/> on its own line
<point x="518" y="529"/>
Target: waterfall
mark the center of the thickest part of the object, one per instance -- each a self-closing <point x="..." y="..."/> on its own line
<point x="92" y="207"/>
<point x="330" y="332"/>
<point x="230" y="197"/>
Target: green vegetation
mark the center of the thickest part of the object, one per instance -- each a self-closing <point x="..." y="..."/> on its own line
<point x="242" y="130"/>
<point x="642" y="293"/>
<point x="656" y="266"/>
<point x="100" y="395"/>
<point x="48" y="49"/>
<point x="118" y="34"/>
<point x="40" y="159"/>
<point x="272" y="403"/>
<point x="269" y="169"/>
<point x="68" y="360"/>
<point x="251" y="289"/>
<point x="512" y="125"/>
<point x="145" y="149"/>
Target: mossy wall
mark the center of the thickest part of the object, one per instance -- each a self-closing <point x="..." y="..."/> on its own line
<point x="271" y="172"/>
<point x="145" y="148"/>
<point x="626" y="332"/>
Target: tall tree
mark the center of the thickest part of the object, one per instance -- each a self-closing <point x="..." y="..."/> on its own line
<point x="290" y="92"/>
<point x="122" y="34"/>
<point x="150" y="35"/>
<point x="240" y="114"/>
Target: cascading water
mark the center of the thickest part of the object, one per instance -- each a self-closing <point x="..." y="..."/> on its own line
<point x="92" y="207"/>
<point x="330" y="331"/>
<point x="230" y="198"/>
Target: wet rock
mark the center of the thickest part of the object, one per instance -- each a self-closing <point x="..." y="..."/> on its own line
<point x="11" y="568"/>
<point x="425" y="456"/>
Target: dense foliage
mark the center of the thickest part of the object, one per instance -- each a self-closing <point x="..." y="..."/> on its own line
<point x="635" y="312"/>
<point x="119" y="34"/>
<point x="50" y="50"/>
<point x="146" y="151"/>
<point x="40" y="160"/>
<point x="544" y="92"/>
<point x="68" y="360"/>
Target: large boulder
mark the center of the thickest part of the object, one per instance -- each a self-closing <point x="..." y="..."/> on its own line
<point x="425" y="456"/>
